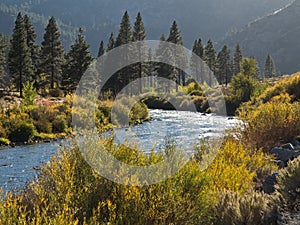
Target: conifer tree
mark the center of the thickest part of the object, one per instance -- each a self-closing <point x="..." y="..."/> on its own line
<point x="101" y="50"/>
<point x="111" y="42"/>
<point x="19" y="60"/>
<point x="2" y="64"/>
<point x="223" y="65"/>
<point x="210" y="59"/>
<point x="237" y="60"/>
<point x="52" y="54"/>
<point x="249" y="67"/>
<point x="125" y="33"/>
<point x="78" y="60"/>
<point x="34" y="48"/>
<point x="195" y="64"/>
<point x="139" y="34"/>
<point x="175" y="37"/>
<point x="124" y="37"/>
<point x="270" y="70"/>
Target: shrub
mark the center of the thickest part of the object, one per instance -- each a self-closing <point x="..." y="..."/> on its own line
<point x="30" y="94"/>
<point x="56" y="93"/>
<point x="288" y="183"/>
<point x="59" y="124"/>
<point x="249" y="208"/>
<point x="43" y="126"/>
<point x="4" y="141"/>
<point x="235" y="168"/>
<point x="23" y="132"/>
<point x="289" y="85"/>
<point x="270" y="124"/>
<point x="138" y="113"/>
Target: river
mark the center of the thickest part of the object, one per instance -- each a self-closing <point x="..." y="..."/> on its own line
<point x="184" y="128"/>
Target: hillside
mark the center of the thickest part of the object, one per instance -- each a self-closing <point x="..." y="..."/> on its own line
<point x="207" y="19"/>
<point x="277" y="34"/>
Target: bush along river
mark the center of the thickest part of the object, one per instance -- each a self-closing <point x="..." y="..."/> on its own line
<point x="21" y="163"/>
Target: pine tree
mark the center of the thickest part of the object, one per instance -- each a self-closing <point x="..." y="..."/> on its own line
<point x="125" y="33"/>
<point x="210" y="58"/>
<point x="223" y="65"/>
<point x="195" y="64"/>
<point x="237" y="60"/>
<point x="52" y="55"/>
<point x="34" y="48"/>
<point x="249" y="67"/>
<point x="124" y="37"/>
<point x="101" y="50"/>
<point x="78" y="60"/>
<point x="150" y="69"/>
<point x="19" y="60"/>
<point x="270" y="70"/>
<point x="2" y="64"/>
<point x="139" y="34"/>
<point x="111" y="42"/>
<point x="175" y="37"/>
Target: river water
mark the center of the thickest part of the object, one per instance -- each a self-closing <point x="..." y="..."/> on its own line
<point x="18" y="164"/>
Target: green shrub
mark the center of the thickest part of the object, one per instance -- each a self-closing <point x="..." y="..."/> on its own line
<point x="59" y="124"/>
<point x="138" y="113"/>
<point x="30" y="94"/>
<point x="288" y="186"/>
<point x="56" y="93"/>
<point x="43" y="126"/>
<point x="23" y="132"/>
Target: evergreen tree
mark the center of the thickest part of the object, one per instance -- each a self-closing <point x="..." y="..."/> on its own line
<point x="139" y="34"/>
<point x="124" y="37"/>
<point x="78" y="60"/>
<point x="195" y="65"/>
<point x="237" y="60"/>
<point x="175" y="37"/>
<point x="249" y="67"/>
<point x="19" y="60"/>
<point x="111" y="42"/>
<point x="52" y="55"/>
<point x="210" y="59"/>
<point x="162" y="69"/>
<point x="223" y="65"/>
<point x="2" y="63"/>
<point x="34" y="48"/>
<point x="270" y="70"/>
<point x="125" y="33"/>
<point x="150" y="69"/>
<point x="101" y="50"/>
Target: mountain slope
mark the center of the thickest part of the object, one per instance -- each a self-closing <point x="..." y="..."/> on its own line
<point x="277" y="34"/>
<point x="196" y="18"/>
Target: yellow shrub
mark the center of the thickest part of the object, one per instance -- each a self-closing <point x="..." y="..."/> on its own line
<point x="235" y="167"/>
<point x="270" y="124"/>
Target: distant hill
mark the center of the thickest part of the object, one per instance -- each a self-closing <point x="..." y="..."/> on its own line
<point x="196" y="18"/>
<point x="277" y="34"/>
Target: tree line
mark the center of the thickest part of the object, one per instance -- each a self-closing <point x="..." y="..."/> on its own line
<point x="53" y="70"/>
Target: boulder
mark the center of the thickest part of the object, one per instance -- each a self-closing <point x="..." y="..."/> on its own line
<point x="269" y="183"/>
<point x="283" y="155"/>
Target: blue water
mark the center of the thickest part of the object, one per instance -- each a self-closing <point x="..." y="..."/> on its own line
<point x="18" y="165"/>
